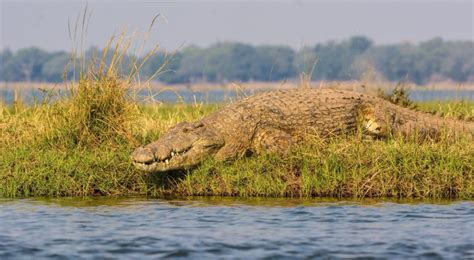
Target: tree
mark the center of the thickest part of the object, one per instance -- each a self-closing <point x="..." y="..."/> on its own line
<point x="5" y="59"/>
<point x="57" y="67"/>
<point x="430" y="60"/>
<point x="169" y="63"/>
<point x="273" y="63"/>
<point x="359" y="44"/>
<point x="29" y="63"/>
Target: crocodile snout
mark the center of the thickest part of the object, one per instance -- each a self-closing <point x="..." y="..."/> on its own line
<point x="150" y="154"/>
<point x="143" y="155"/>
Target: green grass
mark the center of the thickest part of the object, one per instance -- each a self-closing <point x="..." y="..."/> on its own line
<point x="65" y="149"/>
<point x="346" y="167"/>
<point x="461" y="110"/>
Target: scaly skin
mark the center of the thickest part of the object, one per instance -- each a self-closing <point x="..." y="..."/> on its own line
<point x="274" y="121"/>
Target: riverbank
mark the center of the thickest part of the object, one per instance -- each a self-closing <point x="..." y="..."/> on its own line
<point x="80" y="147"/>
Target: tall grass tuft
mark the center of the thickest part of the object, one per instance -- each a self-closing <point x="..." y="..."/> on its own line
<point x="99" y="110"/>
<point x="398" y="96"/>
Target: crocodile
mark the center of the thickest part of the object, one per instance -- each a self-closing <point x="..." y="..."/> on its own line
<point x="272" y="122"/>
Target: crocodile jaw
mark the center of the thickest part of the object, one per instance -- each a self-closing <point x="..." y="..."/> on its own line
<point x="184" y="146"/>
<point x="175" y="160"/>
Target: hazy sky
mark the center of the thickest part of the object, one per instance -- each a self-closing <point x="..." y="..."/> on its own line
<point x="295" y="23"/>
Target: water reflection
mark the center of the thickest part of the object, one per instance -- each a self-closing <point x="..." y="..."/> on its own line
<point x="209" y="201"/>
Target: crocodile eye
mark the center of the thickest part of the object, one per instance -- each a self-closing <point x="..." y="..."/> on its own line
<point x="186" y="127"/>
<point x="192" y="126"/>
<point x="198" y="124"/>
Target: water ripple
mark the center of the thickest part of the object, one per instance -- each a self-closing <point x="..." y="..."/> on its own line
<point x="234" y="228"/>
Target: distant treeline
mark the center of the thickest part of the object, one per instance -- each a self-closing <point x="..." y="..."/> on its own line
<point x="355" y="58"/>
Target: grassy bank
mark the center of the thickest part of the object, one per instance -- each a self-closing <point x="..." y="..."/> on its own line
<point x="81" y="146"/>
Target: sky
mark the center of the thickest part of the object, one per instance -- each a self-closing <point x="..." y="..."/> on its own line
<point x="295" y="23"/>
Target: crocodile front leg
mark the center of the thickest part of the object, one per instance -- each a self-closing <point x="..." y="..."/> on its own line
<point x="272" y="141"/>
<point x="374" y="121"/>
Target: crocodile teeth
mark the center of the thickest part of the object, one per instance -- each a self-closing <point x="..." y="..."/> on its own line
<point x="172" y="154"/>
<point x="167" y="161"/>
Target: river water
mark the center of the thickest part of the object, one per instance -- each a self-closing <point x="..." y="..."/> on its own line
<point x="204" y="228"/>
<point x="212" y="96"/>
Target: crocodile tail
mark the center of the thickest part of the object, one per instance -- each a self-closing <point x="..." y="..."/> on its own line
<point x="435" y="126"/>
<point x="460" y="126"/>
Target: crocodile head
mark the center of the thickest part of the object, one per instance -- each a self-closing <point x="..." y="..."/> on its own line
<point x="184" y="146"/>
